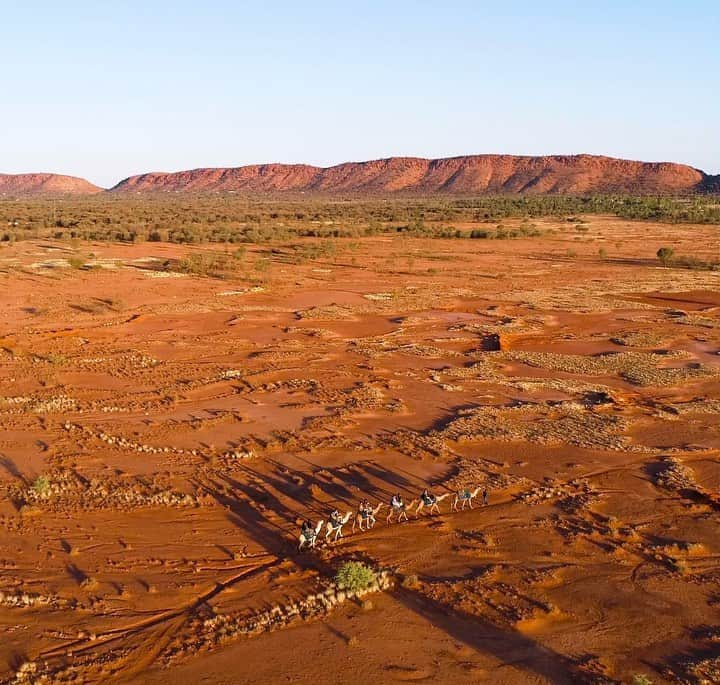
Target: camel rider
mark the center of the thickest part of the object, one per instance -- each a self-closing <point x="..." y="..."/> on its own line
<point x="397" y="502"/>
<point x="427" y="498"/>
<point x="307" y="530"/>
<point x="335" y="518"/>
<point x="365" y="509"/>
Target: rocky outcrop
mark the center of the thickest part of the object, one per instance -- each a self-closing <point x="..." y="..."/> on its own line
<point x="469" y="175"/>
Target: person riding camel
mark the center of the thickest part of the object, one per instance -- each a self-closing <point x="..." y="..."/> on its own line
<point x="365" y="509"/>
<point x="335" y="518"/>
<point x="397" y="506"/>
<point x="427" y="498"/>
<point x="307" y="530"/>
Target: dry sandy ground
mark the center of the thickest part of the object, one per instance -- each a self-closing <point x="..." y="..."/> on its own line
<point x="162" y="437"/>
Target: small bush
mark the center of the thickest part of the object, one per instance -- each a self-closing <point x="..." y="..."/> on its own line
<point x="354" y="576"/>
<point x="641" y="679"/>
<point x="665" y="255"/>
<point x="41" y="486"/>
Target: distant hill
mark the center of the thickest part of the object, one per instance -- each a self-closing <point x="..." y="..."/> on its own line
<point x="470" y="175"/>
<point x="20" y="185"/>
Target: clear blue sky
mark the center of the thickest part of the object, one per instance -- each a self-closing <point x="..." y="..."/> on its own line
<point x="104" y="90"/>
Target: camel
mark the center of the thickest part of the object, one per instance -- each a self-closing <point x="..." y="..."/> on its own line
<point x="368" y="518"/>
<point x="466" y="497"/>
<point x="337" y="527"/>
<point x="310" y="539"/>
<point x="400" y="511"/>
<point x="433" y="506"/>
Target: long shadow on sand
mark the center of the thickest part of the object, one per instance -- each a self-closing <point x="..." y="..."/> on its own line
<point x="509" y="647"/>
<point x="255" y="524"/>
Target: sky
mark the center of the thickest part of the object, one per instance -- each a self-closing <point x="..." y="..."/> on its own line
<point x="106" y="90"/>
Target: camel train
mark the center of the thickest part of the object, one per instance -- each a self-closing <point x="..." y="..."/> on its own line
<point x="366" y="516"/>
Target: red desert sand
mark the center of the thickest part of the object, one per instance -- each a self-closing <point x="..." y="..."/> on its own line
<point x="164" y="436"/>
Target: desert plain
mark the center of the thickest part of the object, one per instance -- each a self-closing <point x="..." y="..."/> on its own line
<point x="164" y="433"/>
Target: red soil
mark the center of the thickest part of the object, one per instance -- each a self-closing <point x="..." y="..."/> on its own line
<point x="186" y="426"/>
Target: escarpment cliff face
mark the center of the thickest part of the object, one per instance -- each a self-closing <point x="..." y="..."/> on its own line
<point x="19" y="185"/>
<point x="477" y="174"/>
<point x="469" y="175"/>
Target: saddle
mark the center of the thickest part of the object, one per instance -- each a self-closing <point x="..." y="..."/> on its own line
<point x="428" y="500"/>
<point x="465" y="494"/>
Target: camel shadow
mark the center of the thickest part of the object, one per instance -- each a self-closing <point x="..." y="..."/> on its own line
<point x="300" y="485"/>
<point x="269" y="536"/>
<point x="10" y="466"/>
<point x="76" y="574"/>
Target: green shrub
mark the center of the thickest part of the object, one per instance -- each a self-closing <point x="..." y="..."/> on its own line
<point x="41" y="486"/>
<point x="354" y="576"/>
